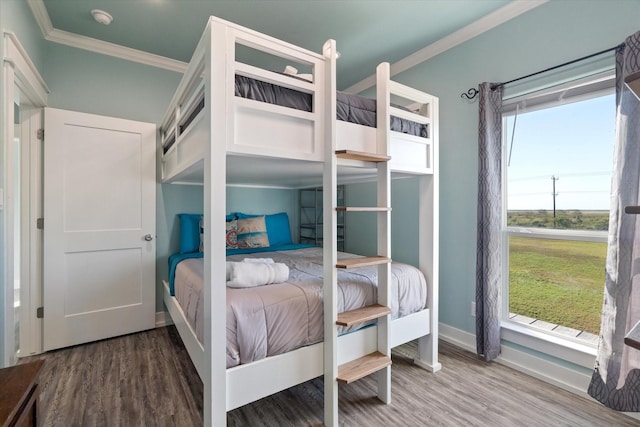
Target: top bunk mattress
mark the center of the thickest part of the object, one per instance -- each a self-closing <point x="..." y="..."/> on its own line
<point x="349" y="107"/>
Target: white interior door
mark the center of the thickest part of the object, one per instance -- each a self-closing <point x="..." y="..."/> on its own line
<point x="99" y="227"/>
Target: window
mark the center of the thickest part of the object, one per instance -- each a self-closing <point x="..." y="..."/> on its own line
<point x="558" y="156"/>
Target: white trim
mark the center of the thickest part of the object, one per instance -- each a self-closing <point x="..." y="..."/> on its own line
<point x="163" y="319"/>
<point x="458" y="337"/>
<point x="41" y="16"/>
<point x="20" y="72"/>
<point x="486" y="23"/>
<point x="570" y="350"/>
<point x="547" y="371"/>
<point x="8" y="242"/>
<point x="33" y="84"/>
<point x="117" y="51"/>
<point x="52" y="34"/>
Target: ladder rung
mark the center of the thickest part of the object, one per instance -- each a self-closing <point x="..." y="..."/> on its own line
<point x="360" y="155"/>
<point x="363" y="314"/>
<point x="362" y="209"/>
<point x="363" y="366"/>
<point x="362" y="261"/>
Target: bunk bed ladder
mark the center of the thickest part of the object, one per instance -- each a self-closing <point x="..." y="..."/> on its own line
<point x="380" y="360"/>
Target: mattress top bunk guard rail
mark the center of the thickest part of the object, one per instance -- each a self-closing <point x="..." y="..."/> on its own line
<point x="230" y="106"/>
<point x="278" y="114"/>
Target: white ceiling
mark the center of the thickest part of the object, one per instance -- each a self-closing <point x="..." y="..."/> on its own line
<point x="367" y="31"/>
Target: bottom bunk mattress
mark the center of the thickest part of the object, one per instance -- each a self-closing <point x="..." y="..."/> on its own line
<point x="274" y="319"/>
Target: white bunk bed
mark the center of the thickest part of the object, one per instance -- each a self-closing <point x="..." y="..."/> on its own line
<point x="210" y="147"/>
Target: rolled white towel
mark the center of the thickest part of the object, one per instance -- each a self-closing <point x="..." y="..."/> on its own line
<point x="251" y="274"/>
<point x="262" y="260"/>
<point x="229" y="266"/>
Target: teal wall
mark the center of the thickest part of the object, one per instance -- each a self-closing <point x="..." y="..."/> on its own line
<point x="93" y="83"/>
<point x="15" y="16"/>
<point x="360" y="227"/>
<point x="553" y="33"/>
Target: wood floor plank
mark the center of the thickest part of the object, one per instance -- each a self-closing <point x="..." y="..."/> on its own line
<point x="147" y="379"/>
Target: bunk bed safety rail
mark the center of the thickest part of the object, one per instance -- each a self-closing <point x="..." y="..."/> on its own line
<point x="254" y="128"/>
<point x="259" y="128"/>
<point x="409" y="153"/>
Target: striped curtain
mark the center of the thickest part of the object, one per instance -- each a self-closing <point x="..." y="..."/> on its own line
<point x="616" y="377"/>
<point x="489" y="250"/>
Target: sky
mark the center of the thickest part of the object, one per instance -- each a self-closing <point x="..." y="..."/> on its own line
<point x="572" y="142"/>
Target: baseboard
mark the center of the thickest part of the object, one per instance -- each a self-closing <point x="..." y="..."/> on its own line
<point x="552" y="373"/>
<point x="544" y="370"/>
<point x="163" y="319"/>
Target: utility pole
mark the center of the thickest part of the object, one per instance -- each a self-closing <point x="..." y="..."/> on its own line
<point x="554" y="194"/>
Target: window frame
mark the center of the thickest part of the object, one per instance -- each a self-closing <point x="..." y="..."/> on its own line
<point x="572" y="349"/>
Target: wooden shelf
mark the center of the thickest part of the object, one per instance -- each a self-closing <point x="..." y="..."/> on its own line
<point x="362" y="209"/>
<point x="363" y="314"/>
<point x="362" y="262"/>
<point x="360" y="368"/>
<point x="360" y="155"/>
<point x="633" y="82"/>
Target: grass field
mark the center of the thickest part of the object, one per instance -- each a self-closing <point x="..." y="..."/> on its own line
<point x="565" y="219"/>
<point x="558" y="281"/>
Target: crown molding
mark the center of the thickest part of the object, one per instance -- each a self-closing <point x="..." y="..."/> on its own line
<point x="15" y="54"/>
<point x="54" y="35"/>
<point x="118" y="51"/>
<point x="41" y="15"/>
<point x="486" y="23"/>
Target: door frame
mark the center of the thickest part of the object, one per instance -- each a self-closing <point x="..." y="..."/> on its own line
<point x="18" y="71"/>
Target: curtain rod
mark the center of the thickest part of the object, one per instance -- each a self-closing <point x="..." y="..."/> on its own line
<point x="473" y="92"/>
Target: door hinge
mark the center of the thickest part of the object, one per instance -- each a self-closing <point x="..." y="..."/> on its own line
<point x="40" y="134"/>
<point x="40" y="312"/>
<point x="40" y="223"/>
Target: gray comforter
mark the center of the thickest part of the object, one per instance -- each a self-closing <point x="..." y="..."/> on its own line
<point x="273" y="319"/>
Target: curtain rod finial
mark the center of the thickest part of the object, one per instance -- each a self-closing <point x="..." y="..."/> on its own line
<point x="470" y="94"/>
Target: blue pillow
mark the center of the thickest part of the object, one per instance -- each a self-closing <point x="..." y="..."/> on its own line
<point x="190" y="232"/>
<point x="278" y="228"/>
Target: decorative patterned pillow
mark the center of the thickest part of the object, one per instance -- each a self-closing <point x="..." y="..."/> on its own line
<point x="252" y="233"/>
<point x="232" y="234"/>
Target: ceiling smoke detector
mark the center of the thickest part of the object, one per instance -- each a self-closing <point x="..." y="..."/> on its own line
<point x="101" y="16"/>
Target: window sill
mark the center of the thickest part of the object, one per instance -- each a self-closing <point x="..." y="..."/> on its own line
<point x="553" y="345"/>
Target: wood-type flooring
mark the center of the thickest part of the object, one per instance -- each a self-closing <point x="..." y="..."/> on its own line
<point x="147" y="379"/>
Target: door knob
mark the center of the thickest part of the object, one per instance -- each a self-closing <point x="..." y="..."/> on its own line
<point x="148" y="237"/>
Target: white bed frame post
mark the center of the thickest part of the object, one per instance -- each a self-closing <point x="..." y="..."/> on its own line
<point x="330" y="255"/>
<point x="383" y="118"/>
<point x="215" y="321"/>
<point x="428" y="242"/>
